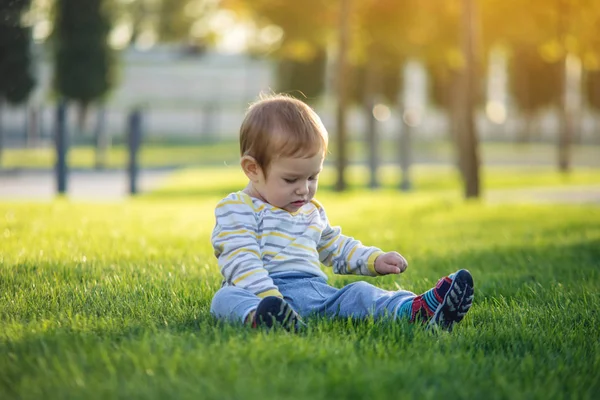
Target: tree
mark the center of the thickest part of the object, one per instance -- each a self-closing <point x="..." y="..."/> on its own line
<point x="562" y="30"/>
<point x="16" y="72"/>
<point x="83" y="59"/>
<point x="84" y="62"/>
<point x="469" y="142"/>
<point x="304" y="78"/>
<point x="592" y="94"/>
<point x="535" y="84"/>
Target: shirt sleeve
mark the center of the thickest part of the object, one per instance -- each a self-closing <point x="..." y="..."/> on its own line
<point x="235" y="242"/>
<point x="346" y="255"/>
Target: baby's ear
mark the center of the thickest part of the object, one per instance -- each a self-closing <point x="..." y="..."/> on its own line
<point x="251" y="168"/>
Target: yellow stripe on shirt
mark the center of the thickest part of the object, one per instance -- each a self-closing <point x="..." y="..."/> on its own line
<point x="326" y="246"/>
<point x="351" y="253"/>
<point x="227" y="233"/>
<point x="228" y="202"/>
<point x="303" y="247"/>
<point x="233" y="254"/>
<point x="278" y="234"/>
<point x="247" y="274"/>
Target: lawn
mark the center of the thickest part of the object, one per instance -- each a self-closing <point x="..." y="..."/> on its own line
<point x="112" y="301"/>
<point x="155" y="154"/>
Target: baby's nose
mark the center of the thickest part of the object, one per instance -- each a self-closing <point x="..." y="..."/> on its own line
<point x="302" y="188"/>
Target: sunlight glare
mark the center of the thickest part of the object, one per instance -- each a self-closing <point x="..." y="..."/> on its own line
<point x="381" y="112"/>
<point x="146" y="40"/>
<point x="42" y="30"/>
<point x="496" y="112"/>
<point x="412" y="117"/>
<point x="120" y="36"/>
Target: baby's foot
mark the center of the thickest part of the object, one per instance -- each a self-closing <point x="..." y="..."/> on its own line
<point x="274" y="311"/>
<point x="443" y="305"/>
<point x="456" y="301"/>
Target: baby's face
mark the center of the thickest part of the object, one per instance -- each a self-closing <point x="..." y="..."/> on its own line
<point x="291" y="182"/>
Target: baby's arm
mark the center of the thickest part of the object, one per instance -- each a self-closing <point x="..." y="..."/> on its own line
<point x="235" y="242"/>
<point x="345" y="254"/>
<point x="349" y="256"/>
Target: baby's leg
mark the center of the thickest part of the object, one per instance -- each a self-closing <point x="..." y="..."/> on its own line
<point x="361" y="299"/>
<point x="237" y="305"/>
<point x="443" y="305"/>
<point x="233" y="304"/>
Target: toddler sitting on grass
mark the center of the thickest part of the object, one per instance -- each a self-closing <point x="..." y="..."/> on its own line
<point x="272" y="237"/>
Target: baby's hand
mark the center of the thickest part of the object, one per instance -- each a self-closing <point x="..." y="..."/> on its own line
<point x="390" y="263"/>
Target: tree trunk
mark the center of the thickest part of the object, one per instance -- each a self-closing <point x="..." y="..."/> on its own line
<point x="453" y="110"/>
<point x="62" y="147"/>
<point x="342" y="73"/>
<point x="102" y="139"/>
<point x="1" y="130"/>
<point x="404" y="146"/>
<point x="33" y="127"/>
<point x="595" y="136"/>
<point x="82" y="111"/>
<point x="565" y="132"/>
<point x="527" y="130"/>
<point x="371" y="90"/>
<point x="469" y="141"/>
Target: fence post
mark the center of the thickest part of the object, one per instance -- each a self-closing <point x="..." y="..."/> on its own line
<point x="62" y="147"/>
<point x="134" y="136"/>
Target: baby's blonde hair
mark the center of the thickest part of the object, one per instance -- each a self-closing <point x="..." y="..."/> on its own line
<point x="281" y="126"/>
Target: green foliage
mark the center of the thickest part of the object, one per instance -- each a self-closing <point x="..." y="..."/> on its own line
<point x="535" y="83"/>
<point x="112" y="301"/>
<point x="16" y="70"/>
<point x="173" y="23"/>
<point x="302" y="79"/>
<point x="83" y="59"/>
<point x="440" y="85"/>
<point x="592" y="89"/>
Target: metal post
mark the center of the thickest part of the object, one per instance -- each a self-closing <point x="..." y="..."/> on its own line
<point x="405" y="158"/>
<point x="62" y="147"/>
<point x="134" y="141"/>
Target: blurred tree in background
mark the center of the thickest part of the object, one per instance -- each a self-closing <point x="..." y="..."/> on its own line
<point x="16" y="66"/>
<point x="303" y="78"/>
<point x="562" y="35"/>
<point x="592" y="89"/>
<point x="592" y="97"/>
<point x="535" y="84"/>
<point x="553" y="50"/>
<point x="84" y="62"/>
<point x="301" y="51"/>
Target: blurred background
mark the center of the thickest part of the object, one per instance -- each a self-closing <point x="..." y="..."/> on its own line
<point x="460" y="84"/>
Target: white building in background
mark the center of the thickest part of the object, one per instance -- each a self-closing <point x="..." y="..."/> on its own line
<point x="181" y="95"/>
<point x="191" y="97"/>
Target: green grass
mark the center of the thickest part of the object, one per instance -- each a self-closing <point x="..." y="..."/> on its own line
<point x="215" y="181"/>
<point x="155" y="154"/>
<point x="112" y="301"/>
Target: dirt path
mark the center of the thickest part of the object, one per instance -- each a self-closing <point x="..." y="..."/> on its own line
<point x="84" y="185"/>
<point x="586" y="194"/>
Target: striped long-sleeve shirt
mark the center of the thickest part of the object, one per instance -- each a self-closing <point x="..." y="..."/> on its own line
<point x="253" y="239"/>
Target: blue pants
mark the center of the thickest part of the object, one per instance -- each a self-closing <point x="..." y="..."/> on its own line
<point x="310" y="295"/>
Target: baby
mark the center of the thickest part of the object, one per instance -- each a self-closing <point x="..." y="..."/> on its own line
<point x="272" y="237"/>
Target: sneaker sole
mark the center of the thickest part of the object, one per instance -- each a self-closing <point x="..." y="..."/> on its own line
<point x="273" y="311"/>
<point x="456" y="303"/>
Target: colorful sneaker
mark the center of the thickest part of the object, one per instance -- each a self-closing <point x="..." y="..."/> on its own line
<point x="274" y="311"/>
<point x="444" y="304"/>
<point x="456" y="302"/>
